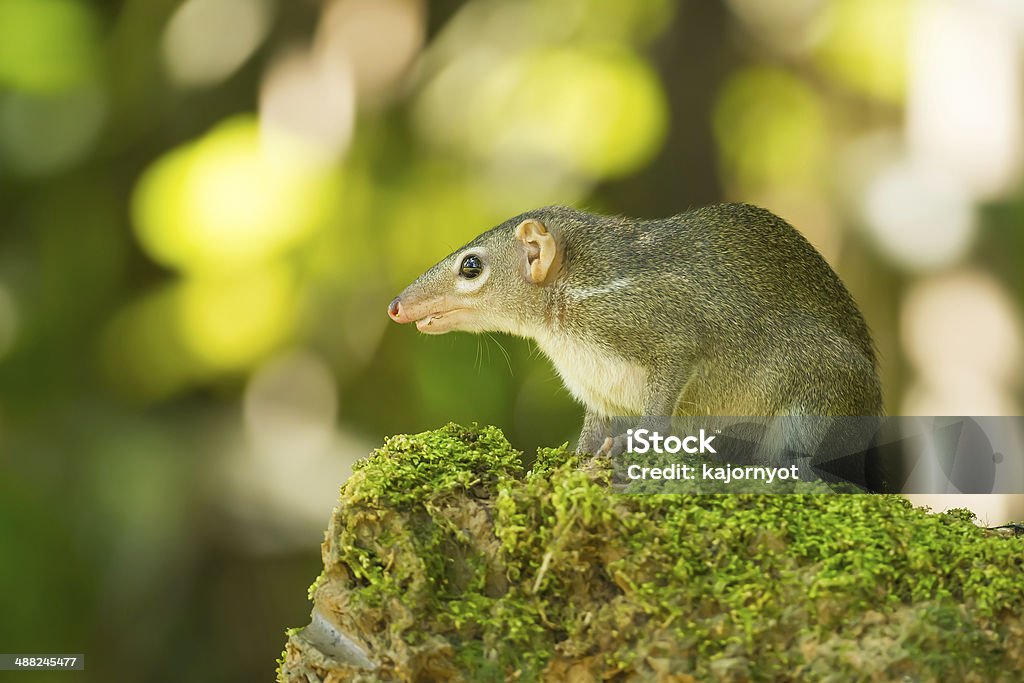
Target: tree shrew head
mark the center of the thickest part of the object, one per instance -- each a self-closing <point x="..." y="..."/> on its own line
<point x="488" y="285"/>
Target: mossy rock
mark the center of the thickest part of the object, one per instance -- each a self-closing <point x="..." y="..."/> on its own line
<point x="446" y="560"/>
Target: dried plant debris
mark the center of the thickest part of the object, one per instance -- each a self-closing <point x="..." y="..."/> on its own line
<point x="446" y="561"/>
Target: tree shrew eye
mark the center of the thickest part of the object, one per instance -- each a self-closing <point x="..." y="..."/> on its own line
<point x="471" y="267"/>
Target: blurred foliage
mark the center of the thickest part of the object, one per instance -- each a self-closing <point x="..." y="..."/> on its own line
<point x="192" y="192"/>
<point x="771" y="129"/>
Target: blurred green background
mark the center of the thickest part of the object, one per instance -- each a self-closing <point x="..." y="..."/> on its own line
<point x="205" y="207"/>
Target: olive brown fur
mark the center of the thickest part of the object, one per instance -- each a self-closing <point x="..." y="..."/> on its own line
<point x="725" y="310"/>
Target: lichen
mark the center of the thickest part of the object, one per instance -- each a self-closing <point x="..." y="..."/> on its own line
<point x="446" y="560"/>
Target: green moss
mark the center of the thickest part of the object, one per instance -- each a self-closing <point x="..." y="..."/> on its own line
<point x="549" y="459"/>
<point x="446" y="561"/>
<point x="313" y="586"/>
<point x="411" y="469"/>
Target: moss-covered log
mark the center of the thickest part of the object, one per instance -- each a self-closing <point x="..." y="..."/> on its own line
<point x="445" y="560"/>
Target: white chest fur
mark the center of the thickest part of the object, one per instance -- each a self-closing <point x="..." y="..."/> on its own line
<point x="606" y="384"/>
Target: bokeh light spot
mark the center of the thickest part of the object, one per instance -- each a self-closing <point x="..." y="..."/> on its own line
<point x="291" y="403"/>
<point x="207" y="40"/>
<point x="919" y="214"/>
<point x="962" y="323"/>
<point x="140" y="352"/>
<point x="224" y="202"/>
<point x="378" y="38"/>
<point x="230" y="323"/>
<point x="865" y="45"/>
<point x="46" y="45"/>
<point x="309" y="101"/>
<point x="197" y="329"/>
<point x="771" y="129"/>
<point x="592" y="112"/>
<point x="42" y="133"/>
<point x="965" y="103"/>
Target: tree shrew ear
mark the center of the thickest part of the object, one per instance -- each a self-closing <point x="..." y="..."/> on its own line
<point x="540" y="248"/>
